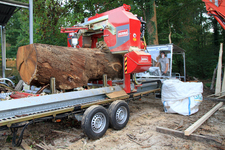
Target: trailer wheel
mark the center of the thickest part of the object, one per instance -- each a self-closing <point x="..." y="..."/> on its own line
<point x="118" y="114"/>
<point x="95" y="121"/>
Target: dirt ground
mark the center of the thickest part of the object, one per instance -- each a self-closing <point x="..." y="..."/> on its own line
<point x="140" y="133"/>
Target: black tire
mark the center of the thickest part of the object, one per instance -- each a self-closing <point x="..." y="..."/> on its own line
<point x="115" y="110"/>
<point x="90" y="121"/>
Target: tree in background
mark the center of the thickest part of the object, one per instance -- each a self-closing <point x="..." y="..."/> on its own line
<point x="185" y="20"/>
<point x="190" y="29"/>
<point x="49" y="17"/>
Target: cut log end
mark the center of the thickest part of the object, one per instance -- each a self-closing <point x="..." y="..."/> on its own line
<point x="27" y="62"/>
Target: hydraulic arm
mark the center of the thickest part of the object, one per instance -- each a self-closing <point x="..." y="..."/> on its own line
<point x="216" y="8"/>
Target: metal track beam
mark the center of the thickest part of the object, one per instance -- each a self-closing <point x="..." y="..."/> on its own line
<point x="31" y="105"/>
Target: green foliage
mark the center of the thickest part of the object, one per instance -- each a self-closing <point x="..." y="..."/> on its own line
<point x="186" y="20"/>
<point x="190" y="29"/>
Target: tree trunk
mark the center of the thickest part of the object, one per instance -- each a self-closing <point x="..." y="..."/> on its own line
<point x="215" y="36"/>
<point x="154" y="19"/>
<point x="152" y="27"/>
<point x="71" y="67"/>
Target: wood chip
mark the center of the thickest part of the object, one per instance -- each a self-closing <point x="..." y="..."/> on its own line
<point x="25" y="145"/>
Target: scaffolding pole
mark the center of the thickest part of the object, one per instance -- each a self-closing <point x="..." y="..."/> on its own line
<point x="3" y="42"/>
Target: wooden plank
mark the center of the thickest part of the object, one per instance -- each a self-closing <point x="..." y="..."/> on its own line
<point x="180" y="134"/>
<point x="215" y="94"/>
<point x="223" y="84"/>
<point x="116" y="94"/>
<point x="213" y="79"/>
<point x="199" y="122"/>
<point x="214" y="99"/>
<point x="218" y="78"/>
<point x="220" y="96"/>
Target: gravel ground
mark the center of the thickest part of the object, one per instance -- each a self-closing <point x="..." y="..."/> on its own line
<point x="140" y="133"/>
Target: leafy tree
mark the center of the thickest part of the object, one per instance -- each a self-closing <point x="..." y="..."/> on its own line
<point x="190" y="29"/>
<point x="185" y="20"/>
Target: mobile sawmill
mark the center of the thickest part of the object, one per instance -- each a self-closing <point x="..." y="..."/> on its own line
<point x="123" y="33"/>
<point x="99" y="107"/>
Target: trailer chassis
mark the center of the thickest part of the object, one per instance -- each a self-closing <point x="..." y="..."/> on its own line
<point x="79" y="102"/>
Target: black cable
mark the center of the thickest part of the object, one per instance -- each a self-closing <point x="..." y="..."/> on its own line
<point x="219" y="17"/>
<point x="20" y="139"/>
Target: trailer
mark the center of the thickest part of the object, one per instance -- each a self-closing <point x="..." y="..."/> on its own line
<point x="95" y="108"/>
<point x="107" y="103"/>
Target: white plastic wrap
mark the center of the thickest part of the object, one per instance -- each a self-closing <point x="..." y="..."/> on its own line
<point x="181" y="97"/>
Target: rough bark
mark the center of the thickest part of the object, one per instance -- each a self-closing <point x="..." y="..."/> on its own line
<point x="71" y="67"/>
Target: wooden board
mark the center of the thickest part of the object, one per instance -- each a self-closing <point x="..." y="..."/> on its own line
<point x="199" y="122"/>
<point x="214" y="99"/>
<point x="180" y="134"/>
<point x="116" y="94"/>
<point x="223" y="85"/>
<point x="214" y="95"/>
<point x="218" y="78"/>
<point x="213" y="79"/>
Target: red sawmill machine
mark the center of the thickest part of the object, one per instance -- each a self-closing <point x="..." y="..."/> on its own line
<point x="123" y="35"/>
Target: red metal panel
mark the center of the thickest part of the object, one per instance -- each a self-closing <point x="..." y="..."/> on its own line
<point x="109" y="38"/>
<point x="68" y="41"/>
<point x="135" y="33"/>
<point x="80" y="40"/>
<point x="127" y="83"/>
<point x="138" y="61"/>
<point x="124" y="7"/>
<point x="124" y="47"/>
<point x="118" y="18"/>
<point x="134" y="62"/>
<point x="125" y="18"/>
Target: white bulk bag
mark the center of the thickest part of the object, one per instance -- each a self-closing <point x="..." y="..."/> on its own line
<point x="181" y="97"/>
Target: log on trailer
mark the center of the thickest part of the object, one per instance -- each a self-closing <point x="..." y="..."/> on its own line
<point x="71" y="67"/>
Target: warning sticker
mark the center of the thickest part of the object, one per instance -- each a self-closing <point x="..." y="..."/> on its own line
<point x="122" y="33"/>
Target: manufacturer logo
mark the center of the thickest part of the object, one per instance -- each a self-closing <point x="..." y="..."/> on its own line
<point x="144" y="58"/>
<point x="122" y="33"/>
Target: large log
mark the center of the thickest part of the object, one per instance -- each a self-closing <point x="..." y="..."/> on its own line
<point x="71" y="67"/>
